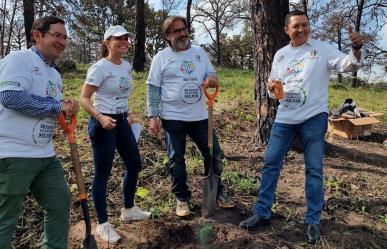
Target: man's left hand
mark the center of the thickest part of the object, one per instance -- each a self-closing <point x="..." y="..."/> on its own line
<point x="210" y="82"/>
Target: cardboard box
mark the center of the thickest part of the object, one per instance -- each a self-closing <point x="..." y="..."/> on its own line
<point x="352" y="128"/>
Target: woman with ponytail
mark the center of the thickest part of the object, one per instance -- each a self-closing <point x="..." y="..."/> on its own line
<point x="110" y="81"/>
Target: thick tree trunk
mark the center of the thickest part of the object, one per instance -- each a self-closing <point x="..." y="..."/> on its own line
<point x="28" y="14"/>
<point x="139" y="47"/>
<point x="268" y="21"/>
<point x="189" y="3"/>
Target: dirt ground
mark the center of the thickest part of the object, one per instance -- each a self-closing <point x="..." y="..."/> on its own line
<point x="354" y="216"/>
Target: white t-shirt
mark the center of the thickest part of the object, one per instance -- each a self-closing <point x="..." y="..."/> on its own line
<point x="180" y="76"/>
<point x="23" y="135"/>
<point x="305" y="72"/>
<point x="114" y="84"/>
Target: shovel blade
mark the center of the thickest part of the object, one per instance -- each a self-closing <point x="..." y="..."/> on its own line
<point x="89" y="242"/>
<point x="210" y="189"/>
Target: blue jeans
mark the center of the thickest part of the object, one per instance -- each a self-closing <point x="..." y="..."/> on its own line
<point x="312" y="132"/>
<point x="175" y="136"/>
<point x="104" y="143"/>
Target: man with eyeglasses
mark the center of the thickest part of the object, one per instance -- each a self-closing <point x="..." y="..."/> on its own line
<point x="30" y="102"/>
<point x="175" y="96"/>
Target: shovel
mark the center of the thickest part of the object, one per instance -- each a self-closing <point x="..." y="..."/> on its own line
<point x="211" y="180"/>
<point x="89" y="241"/>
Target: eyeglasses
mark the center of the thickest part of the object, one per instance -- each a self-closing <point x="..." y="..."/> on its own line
<point x="178" y="31"/>
<point x="57" y="35"/>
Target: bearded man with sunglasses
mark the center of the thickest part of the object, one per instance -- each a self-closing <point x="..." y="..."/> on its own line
<point x="175" y="97"/>
<point x="30" y="102"/>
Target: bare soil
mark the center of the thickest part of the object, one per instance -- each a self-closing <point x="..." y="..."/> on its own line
<point x="354" y="216"/>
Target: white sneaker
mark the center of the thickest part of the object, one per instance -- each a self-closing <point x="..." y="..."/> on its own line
<point x="107" y="233"/>
<point x="182" y="208"/>
<point x="134" y="213"/>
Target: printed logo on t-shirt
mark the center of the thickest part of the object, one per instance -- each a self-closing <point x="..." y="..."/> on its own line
<point x="9" y="83"/>
<point x="313" y="54"/>
<point x="281" y="58"/>
<point x="52" y="89"/>
<point x="42" y="131"/>
<point x="197" y="58"/>
<point x="296" y="67"/>
<point x="123" y="85"/>
<point x="295" y="97"/>
<point x="187" y="67"/>
<point x="36" y="70"/>
<point x="190" y="93"/>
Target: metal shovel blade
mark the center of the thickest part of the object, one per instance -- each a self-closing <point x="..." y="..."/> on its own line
<point x="210" y="189"/>
<point x="89" y="242"/>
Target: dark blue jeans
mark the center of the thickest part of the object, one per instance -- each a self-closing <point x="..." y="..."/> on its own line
<point x="312" y="132"/>
<point x="175" y="136"/>
<point x="104" y="143"/>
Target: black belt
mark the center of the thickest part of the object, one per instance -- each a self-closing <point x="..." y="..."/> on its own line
<point x="120" y="116"/>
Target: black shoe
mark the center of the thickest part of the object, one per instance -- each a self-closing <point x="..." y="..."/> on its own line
<point x="312" y="232"/>
<point x="254" y="222"/>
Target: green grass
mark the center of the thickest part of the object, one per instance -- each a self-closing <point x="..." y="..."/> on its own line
<point x="236" y="87"/>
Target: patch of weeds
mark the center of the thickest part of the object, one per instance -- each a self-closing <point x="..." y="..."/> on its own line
<point x="194" y="165"/>
<point x="241" y="182"/>
<point x="205" y="233"/>
<point x="383" y="218"/>
<point x="332" y="185"/>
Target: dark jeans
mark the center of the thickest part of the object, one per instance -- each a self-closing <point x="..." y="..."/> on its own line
<point x="104" y="143"/>
<point x="175" y="136"/>
<point x="312" y="133"/>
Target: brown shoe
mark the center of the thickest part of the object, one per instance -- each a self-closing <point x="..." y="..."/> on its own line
<point x="182" y="208"/>
<point x="225" y="202"/>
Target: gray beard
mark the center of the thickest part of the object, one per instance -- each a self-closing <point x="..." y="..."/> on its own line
<point x="182" y="44"/>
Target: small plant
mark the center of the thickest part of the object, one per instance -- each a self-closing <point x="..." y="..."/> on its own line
<point x="205" y="233"/>
<point x="383" y="218"/>
<point x="332" y="185"/>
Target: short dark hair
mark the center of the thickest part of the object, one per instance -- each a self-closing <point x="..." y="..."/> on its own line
<point x="294" y="13"/>
<point x="43" y="24"/>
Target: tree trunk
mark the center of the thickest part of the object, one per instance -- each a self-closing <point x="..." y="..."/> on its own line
<point x="189" y="3"/>
<point x="120" y="12"/>
<point x="339" y="41"/>
<point x="139" y="47"/>
<point x="2" y="34"/>
<point x="268" y="18"/>
<point x="11" y="23"/>
<point x="305" y="6"/>
<point x="360" y="6"/>
<point x="28" y="13"/>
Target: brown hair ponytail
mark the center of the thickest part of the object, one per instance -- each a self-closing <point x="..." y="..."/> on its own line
<point x="104" y="50"/>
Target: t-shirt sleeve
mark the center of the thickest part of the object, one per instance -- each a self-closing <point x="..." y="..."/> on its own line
<point x="341" y="62"/>
<point x="94" y="76"/>
<point x="155" y="75"/>
<point x="209" y="68"/>
<point x="15" y="73"/>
